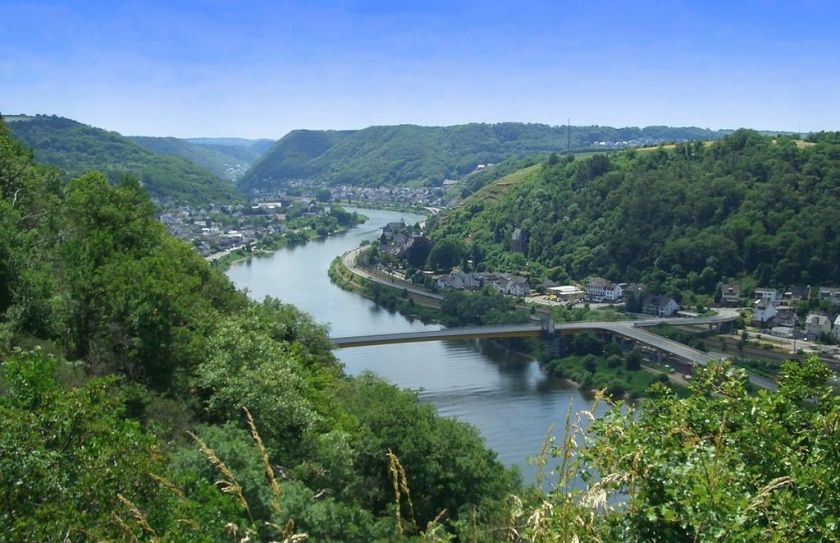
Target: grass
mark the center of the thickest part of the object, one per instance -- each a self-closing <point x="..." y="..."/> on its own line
<point x="498" y="188"/>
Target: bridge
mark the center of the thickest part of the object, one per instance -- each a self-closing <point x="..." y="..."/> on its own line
<point x="630" y="330"/>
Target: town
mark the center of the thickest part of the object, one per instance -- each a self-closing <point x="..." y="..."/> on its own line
<point x="216" y="230"/>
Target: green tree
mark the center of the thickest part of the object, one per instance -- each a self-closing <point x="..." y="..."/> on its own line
<point x="446" y="254"/>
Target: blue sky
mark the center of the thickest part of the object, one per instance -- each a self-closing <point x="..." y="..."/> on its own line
<point x="262" y="68"/>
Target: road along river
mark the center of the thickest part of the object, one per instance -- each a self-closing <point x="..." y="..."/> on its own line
<point x="509" y="399"/>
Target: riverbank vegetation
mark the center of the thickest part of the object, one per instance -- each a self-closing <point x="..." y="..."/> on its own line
<point x="301" y="229"/>
<point x="594" y="363"/>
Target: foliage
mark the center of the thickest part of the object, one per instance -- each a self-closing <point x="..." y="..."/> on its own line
<point x="76" y="149"/>
<point x="718" y="465"/>
<point x="66" y="454"/>
<point x="757" y="209"/>
<point x="483" y="307"/>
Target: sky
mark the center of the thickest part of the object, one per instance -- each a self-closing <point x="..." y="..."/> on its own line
<point x="262" y="68"/>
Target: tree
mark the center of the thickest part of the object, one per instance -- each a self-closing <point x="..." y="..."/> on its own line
<point x="634" y="360"/>
<point x="590" y="363"/>
<point x="418" y="251"/>
<point x="446" y="254"/>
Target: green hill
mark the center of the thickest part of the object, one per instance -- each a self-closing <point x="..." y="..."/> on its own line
<point x="753" y="208"/>
<point x="228" y="158"/>
<point x="391" y="155"/>
<point x="76" y="148"/>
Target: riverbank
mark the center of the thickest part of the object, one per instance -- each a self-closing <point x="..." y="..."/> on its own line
<point x="296" y="239"/>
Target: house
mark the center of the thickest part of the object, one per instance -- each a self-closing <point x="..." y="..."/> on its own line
<point x="660" y="306"/>
<point x="454" y="280"/>
<point x="506" y="283"/>
<point x="599" y="289"/>
<point x="519" y="241"/>
<point x="786" y="316"/>
<point x="836" y="330"/>
<point x="795" y="295"/>
<point x="830" y="294"/>
<point x="770" y="295"/>
<point x="763" y="311"/>
<point x="730" y="295"/>
<point x="517" y="286"/>
<point x="816" y="325"/>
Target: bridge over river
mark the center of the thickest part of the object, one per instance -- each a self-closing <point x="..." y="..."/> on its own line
<point x="633" y="331"/>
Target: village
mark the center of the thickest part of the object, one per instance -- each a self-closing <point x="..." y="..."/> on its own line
<point x="218" y="229"/>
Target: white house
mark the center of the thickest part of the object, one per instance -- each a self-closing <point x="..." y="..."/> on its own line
<point x="599" y="289"/>
<point x="770" y="295"/>
<point x="836" y="330"/>
<point x="763" y="311"/>
<point x="660" y="306"/>
<point x="816" y="325"/>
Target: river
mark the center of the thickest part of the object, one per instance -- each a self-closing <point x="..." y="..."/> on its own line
<point x="508" y="399"/>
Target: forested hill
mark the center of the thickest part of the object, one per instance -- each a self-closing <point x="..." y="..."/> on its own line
<point x="391" y="155"/>
<point x="76" y="148"/>
<point x="754" y="208"/>
<point x="228" y="158"/>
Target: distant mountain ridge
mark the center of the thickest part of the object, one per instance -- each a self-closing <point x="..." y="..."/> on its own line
<point x="392" y="155"/>
<point x="228" y="158"/>
<point x="77" y="148"/>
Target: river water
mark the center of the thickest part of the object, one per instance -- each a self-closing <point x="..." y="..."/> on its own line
<point x="508" y="399"/>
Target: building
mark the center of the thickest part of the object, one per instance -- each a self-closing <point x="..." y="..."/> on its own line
<point x="566" y="293"/>
<point x="836" y="331"/>
<point x="816" y="325"/>
<point x="830" y="294"/>
<point x="763" y="311"/>
<point x="770" y="295"/>
<point x="730" y="295"/>
<point x="786" y="316"/>
<point x="795" y="295"/>
<point x="660" y="306"/>
<point x="599" y="289"/>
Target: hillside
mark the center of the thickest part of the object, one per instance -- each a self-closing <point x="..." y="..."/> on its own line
<point x="76" y="148"/>
<point x="752" y="208"/>
<point x="228" y="158"/>
<point x="392" y="155"/>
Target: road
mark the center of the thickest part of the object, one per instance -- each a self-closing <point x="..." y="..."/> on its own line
<point x="349" y="259"/>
